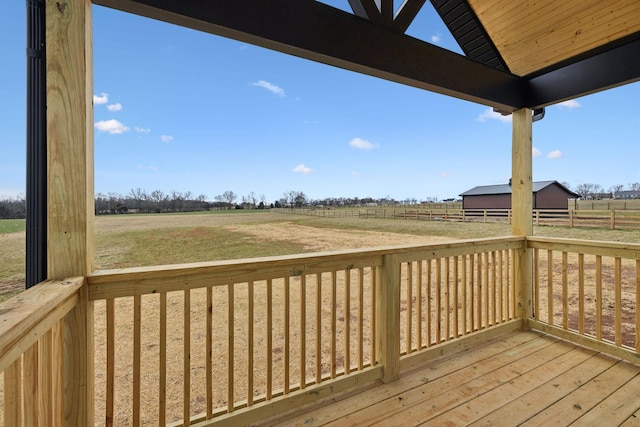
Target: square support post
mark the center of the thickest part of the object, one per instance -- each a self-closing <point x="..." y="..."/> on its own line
<point x="522" y="207"/>
<point x="387" y="312"/>
<point x="70" y="198"/>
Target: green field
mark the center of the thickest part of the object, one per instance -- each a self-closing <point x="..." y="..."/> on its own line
<point x="11" y="225"/>
<point x="143" y="240"/>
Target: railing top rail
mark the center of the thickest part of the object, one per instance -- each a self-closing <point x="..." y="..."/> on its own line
<point x="27" y="316"/>
<point x="164" y="278"/>
<point x="591" y="247"/>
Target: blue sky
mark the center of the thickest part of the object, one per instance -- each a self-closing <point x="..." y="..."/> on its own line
<point x="180" y="110"/>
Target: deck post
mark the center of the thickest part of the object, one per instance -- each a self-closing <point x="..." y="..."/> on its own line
<point x="70" y="197"/>
<point x="388" y="318"/>
<point x="522" y="207"/>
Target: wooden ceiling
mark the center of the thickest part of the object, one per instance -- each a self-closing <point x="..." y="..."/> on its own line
<point x="536" y="34"/>
<point x="518" y="53"/>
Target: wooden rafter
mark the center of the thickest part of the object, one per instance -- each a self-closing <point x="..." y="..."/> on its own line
<point x="313" y="30"/>
<point x="366" y="9"/>
<point x="370" y="42"/>
<point x="407" y="12"/>
<point x="386" y="10"/>
<point x="382" y="12"/>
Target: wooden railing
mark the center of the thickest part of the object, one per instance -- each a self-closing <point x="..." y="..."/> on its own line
<point x="220" y="341"/>
<point x="233" y="334"/>
<point x="588" y="292"/>
<point x="239" y="341"/>
<point x="449" y="292"/>
<point x="33" y="340"/>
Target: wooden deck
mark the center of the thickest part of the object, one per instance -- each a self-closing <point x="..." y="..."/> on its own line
<point x="515" y="379"/>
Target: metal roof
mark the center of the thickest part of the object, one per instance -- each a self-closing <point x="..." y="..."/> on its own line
<point x="519" y="53"/>
<point x="484" y="190"/>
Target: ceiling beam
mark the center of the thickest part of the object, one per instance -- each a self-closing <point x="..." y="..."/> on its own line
<point x="315" y="31"/>
<point x="613" y="66"/>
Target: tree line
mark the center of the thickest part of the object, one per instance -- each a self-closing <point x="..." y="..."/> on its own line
<point x="597" y="191"/>
<point x="157" y="201"/>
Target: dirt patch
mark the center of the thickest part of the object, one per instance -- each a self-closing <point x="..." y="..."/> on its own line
<point x="572" y="313"/>
<point x="329" y="239"/>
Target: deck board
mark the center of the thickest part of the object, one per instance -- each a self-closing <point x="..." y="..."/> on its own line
<point x="517" y="411"/>
<point x="519" y="378"/>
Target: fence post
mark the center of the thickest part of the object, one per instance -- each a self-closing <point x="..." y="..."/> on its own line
<point x="484" y="216"/>
<point x="571" y="215"/>
<point x="613" y="220"/>
<point x="388" y="317"/>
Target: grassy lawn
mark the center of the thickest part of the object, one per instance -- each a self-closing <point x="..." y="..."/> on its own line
<point x="156" y="239"/>
<point x="183" y="245"/>
<point x="11" y="225"/>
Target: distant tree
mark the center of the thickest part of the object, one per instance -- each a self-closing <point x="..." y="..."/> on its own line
<point x="252" y="198"/>
<point x="137" y="198"/>
<point x="13" y="207"/>
<point x="159" y="200"/>
<point x="289" y="198"/>
<point x="634" y="186"/>
<point x="300" y="199"/>
<point x="229" y="197"/>
<point x="177" y="200"/>
<point x="615" y="189"/>
<point x="202" y="202"/>
<point x="589" y="191"/>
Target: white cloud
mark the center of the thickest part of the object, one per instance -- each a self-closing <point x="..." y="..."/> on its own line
<point x="535" y="152"/>
<point x="489" y="114"/>
<point x="303" y="169"/>
<point x="141" y="130"/>
<point x="354" y="173"/>
<point x="445" y="174"/>
<point x="436" y="38"/>
<point x="114" y="107"/>
<point x="569" y="104"/>
<point x="166" y="138"/>
<point x="555" y="154"/>
<point x="151" y="168"/>
<point x="270" y="87"/>
<point x="362" y="144"/>
<point x="102" y="99"/>
<point x="111" y="126"/>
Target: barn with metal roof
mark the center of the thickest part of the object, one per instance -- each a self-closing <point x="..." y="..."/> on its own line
<point x="546" y="195"/>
